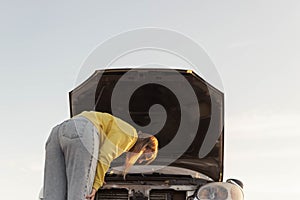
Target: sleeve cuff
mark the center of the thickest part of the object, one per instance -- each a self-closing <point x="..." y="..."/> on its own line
<point x="97" y="185"/>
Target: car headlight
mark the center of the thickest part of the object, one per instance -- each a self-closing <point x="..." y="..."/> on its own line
<point x="220" y="191"/>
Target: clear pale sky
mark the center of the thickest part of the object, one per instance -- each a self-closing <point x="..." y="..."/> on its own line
<point x="254" y="45"/>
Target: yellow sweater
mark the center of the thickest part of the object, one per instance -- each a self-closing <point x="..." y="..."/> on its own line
<point x="116" y="137"/>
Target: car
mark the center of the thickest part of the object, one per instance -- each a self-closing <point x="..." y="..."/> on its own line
<point x="184" y="112"/>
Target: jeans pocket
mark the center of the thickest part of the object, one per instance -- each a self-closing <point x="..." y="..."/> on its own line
<point x="74" y="128"/>
<point x="71" y="130"/>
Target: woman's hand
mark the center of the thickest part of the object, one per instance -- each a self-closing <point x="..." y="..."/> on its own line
<point x="92" y="195"/>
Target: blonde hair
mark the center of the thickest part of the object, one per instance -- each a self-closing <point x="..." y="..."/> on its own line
<point x="145" y="142"/>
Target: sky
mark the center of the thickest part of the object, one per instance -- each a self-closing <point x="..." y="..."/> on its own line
<point x="254" y="46"/>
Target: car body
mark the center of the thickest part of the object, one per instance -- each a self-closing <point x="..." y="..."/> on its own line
<point x="184" y="112"/>
<point x="181" y="168"/>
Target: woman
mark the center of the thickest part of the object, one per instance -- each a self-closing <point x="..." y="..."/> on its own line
<point x="79" y="152"/>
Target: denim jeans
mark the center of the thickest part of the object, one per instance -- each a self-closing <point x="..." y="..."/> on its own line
<point x="71" y="160"/>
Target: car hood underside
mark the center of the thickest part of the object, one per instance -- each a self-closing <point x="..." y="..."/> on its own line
<point x="154" y="101"/>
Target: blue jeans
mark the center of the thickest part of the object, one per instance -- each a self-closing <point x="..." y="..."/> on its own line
<point x="71" y="160"/>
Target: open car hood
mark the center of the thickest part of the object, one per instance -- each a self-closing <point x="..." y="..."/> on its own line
<point x="146" y="98"/>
